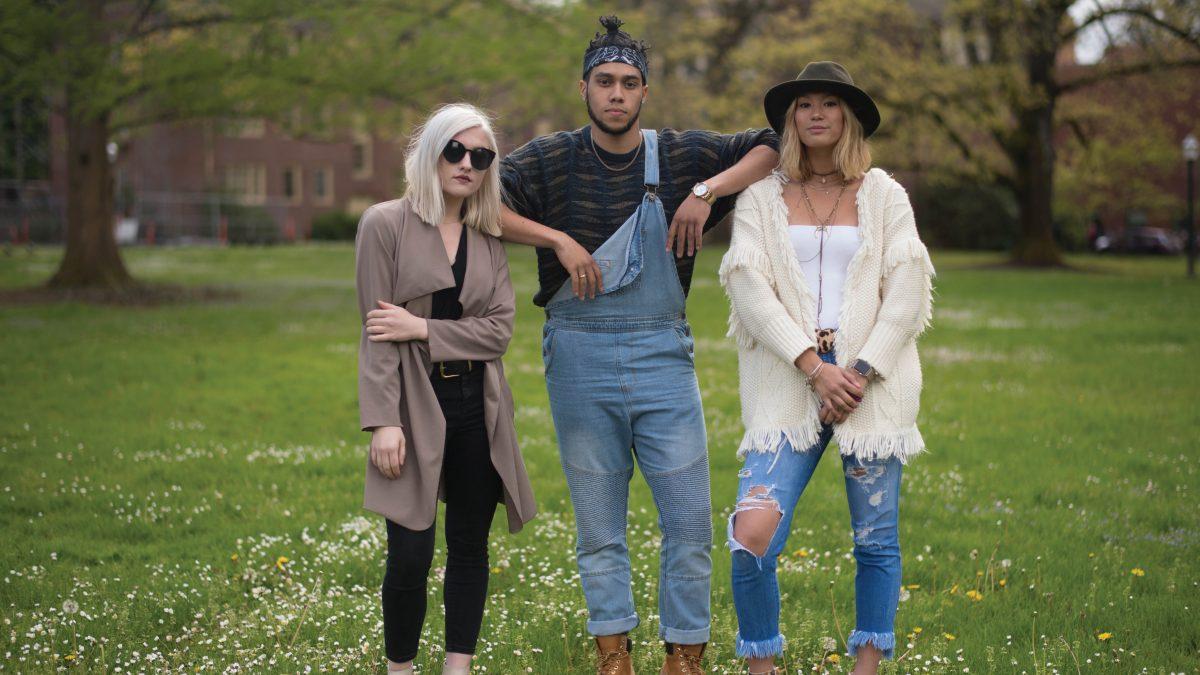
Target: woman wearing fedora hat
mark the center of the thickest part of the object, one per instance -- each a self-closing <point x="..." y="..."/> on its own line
<point x="829" y="287"/>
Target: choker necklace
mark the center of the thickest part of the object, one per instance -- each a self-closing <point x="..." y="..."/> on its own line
<point x="597" y="153"/>
<point x="823" y="176"/>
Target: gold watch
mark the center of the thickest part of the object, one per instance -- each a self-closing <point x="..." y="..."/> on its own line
<point x="702" y="191"/>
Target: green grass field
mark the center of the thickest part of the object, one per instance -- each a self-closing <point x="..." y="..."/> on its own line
<point x="181" y="485"/>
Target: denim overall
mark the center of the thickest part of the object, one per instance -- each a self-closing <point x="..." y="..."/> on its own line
<point x="622" y="386"/>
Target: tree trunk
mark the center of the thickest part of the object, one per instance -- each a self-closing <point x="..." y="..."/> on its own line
<point x="91" y="258"/>
<point x="1032" y="154"/>
<point x="1034" y="168"/>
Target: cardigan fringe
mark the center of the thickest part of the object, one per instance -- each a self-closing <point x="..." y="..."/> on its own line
<point x="800" y="438"/>
<point x="914" y="249"/>
<point x="741" y="259"/>
<point x="903" y="445"/>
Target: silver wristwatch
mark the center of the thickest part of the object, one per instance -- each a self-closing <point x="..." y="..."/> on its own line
<point x="862" y="368"/>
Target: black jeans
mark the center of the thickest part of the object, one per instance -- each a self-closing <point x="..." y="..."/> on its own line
<point x="472" y="489"/>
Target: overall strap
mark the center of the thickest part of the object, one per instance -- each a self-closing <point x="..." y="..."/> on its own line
<point x="650" y="136"/>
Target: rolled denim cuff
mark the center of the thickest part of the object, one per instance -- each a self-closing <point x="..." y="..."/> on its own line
<point x="677" y="636"/>
<point x="884" y="642"/>
<point x="612" y="626"/>
<point x="759" y="649"/>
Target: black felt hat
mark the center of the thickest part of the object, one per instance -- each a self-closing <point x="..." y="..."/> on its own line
<point x="822" y="76"/>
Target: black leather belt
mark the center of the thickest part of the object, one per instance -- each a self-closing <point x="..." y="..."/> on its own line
<point x="448" y="370"/>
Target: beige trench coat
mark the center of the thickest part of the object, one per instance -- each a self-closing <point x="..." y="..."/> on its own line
<point x="401" y="259"/>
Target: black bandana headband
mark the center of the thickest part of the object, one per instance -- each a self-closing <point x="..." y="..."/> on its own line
<point x="615" y="46"/>
<point x="624" y="55"/>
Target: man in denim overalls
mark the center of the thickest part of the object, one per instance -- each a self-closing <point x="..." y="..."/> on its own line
<point x="616" y="344"/>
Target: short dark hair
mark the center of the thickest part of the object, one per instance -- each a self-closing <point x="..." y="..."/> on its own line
<point x="615" y="37"/>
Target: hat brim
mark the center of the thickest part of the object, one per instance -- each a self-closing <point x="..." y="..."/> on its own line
<point x="780" y="96"/>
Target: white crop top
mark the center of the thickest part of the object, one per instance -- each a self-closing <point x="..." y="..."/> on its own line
<point x="825" y="274"/>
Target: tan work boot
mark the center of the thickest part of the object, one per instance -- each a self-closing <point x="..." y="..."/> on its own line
<point x="612" y="655"/>
<point x="683" y="659"/>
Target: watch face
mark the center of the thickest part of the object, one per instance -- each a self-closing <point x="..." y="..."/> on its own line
<point x="862" y="367"/>
<point x="700" y="190"/>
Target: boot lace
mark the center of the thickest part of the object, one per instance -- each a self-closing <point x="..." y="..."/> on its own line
<point x="610" y="662"/>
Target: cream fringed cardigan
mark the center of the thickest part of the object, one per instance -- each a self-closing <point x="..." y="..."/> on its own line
<point x="886" y="303"/>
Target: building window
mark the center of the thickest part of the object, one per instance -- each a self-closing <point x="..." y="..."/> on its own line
<point x="323" y="186"/>
<point x="361" y="158"/>
<point x="357" y="204"/>
<point x="292" y="182"/>
<point x="247" y="182"/>
<point x="249" y="127"/>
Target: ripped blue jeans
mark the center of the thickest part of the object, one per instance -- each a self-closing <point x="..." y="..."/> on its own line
<point x="774" y="481"/>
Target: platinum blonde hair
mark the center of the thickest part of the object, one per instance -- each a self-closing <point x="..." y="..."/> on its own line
<point x="424" y="189"/>
<point x="851" y="154"/>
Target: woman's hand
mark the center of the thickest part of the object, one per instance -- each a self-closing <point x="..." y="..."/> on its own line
<point x="837" y="389"/>
<point x="387" y="450"/>
<point x="586" y="278"/>
<point x="390" y="323"/>
<point x="830" y="416"/>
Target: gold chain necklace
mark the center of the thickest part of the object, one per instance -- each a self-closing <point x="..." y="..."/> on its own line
<point x="598" y="159"/>
<point x="822" y="227"/>
<point x="823" y="223"/>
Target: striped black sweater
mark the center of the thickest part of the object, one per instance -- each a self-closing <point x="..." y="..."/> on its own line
<point x="555" y="180"/>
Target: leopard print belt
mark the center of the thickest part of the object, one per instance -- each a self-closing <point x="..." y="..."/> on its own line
<point x="825" y="340"/>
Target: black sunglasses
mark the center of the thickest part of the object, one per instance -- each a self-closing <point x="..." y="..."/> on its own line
<point x="481" y="158"/>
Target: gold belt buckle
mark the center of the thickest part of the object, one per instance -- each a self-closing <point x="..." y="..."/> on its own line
<point x="447" y="376"/>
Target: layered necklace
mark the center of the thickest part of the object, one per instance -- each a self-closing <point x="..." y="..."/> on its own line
<point x="823" y="225"/>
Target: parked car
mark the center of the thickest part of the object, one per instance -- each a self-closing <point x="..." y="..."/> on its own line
<point x="1143" y="240"/>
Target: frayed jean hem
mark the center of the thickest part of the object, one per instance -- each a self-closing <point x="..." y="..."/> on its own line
<point x="884" y="642"/>
<point x="759" y="649"/>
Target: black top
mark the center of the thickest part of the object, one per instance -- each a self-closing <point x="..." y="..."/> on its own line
<point x="557" y="181"/>
<point x="445" y="301"/>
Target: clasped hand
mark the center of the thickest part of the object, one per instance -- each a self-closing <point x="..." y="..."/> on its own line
<point x="391" y="323"/>
<point x="841" y="390"/>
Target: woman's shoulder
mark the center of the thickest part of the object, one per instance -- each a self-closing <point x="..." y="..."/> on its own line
<point x="882" y="183"/>
<point x="766" y="188"/>
<point x="389" y="215"/>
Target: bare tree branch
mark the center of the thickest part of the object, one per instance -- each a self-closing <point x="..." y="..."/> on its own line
<point x="1142" y="13"/>
<point x="1123" y="70"/>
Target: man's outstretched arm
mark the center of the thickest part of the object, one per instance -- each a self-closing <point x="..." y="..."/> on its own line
<point x="586" y="279"/>
<point x="687" y="227"/>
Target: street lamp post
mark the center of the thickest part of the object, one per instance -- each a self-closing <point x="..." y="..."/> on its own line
<point x="1191" y="152"/>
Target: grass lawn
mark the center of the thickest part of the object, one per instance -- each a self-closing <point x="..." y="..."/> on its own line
<point x="180" y="486"/>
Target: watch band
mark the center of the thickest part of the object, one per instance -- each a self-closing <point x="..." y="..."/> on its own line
<point x="709" y="196"/>
<point x="867" y="372"/>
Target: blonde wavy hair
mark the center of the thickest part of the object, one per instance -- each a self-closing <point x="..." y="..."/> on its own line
<point x="851" y="155"/>
<point x="424" y="189"/>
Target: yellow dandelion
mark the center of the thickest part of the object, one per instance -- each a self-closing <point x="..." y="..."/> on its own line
<point x="1091" y="555"/>
<point x="954" y="589"/>
<point x="833" y="658"/>
<point x="69" y="657"/>
<point x="1138" y="572"/>
<point x="917" y="630"/>
<point x="913" y="587"/>
<point x="1104" y="637"/>
<point x="949" y="636"/>
<point x="803" y="553"/>
<point x="974" y="595"/>
<point x="1003" y="582"/>
<point x="281" y="561"/>
<point x="495" y="570"/>
<point x="234" y="557"/>
<point x="978" y="573"/>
